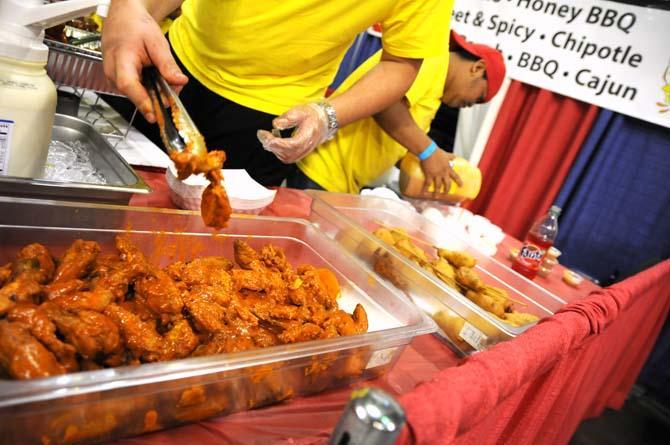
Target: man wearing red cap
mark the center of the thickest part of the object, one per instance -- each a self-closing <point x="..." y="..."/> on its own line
<point x="464" y="75"/>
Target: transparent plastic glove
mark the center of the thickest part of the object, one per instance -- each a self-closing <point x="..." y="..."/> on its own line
<point x="311" y="129"/>
<point x="438" y="172"/>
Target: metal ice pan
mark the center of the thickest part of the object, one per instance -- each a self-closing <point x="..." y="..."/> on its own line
<point x="122" y="181"/>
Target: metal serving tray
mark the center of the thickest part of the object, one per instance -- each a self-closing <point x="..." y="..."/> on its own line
<point x="351" y="219"/>
<point x="122" y="181"/>
<point x="118" y="402"/>
<point x="77" y="67"/>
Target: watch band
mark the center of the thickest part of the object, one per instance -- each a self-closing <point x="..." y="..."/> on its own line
<point x="333" y="125"/>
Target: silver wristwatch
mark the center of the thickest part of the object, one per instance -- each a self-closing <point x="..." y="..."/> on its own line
<point x="333" y="125"/>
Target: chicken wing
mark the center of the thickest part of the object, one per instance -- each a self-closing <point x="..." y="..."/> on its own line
<point x="63" y="288"/>
<point x="297" y="331"/>
<point x="208" y="316"/>
<point x="34" y="262"/>
<point x="43" y="329"/>
<point x="347" y="324"/>
<point x="105" y="310"/>
<point x="77" y="261"/>
<point x="160" y="293"/>
<point x="140" y="337"/>
<point x="179" y="341"/>
<point x="206" y="271"/>
<point x="20" y="290"/>
<point x="112" y="273"/>
<point x="94" y="335"/>
<point x="246" y="257"/>
<point x="32" y="268"/>
<point x="145" y="343"/>
<point x="22" y="356"/>
<point x="132" y="257"/>
<point x="95" y="300"/>
<point x="5" y="274"/>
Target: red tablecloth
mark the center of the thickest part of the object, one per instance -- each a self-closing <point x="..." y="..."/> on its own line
<point x="533" y="389"/>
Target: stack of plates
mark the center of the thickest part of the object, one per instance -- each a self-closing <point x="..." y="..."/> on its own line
<point x="245" y="194"/>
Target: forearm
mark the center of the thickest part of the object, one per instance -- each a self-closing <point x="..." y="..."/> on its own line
<point x="381" y="87"/>
<point x="159" y="9"/>
<point x="398" y="123"/>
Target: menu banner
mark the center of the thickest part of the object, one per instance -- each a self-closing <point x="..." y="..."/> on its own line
<point x="609" y="54"/>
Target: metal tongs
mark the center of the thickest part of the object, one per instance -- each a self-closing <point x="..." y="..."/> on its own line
<point x="177" y="130"/>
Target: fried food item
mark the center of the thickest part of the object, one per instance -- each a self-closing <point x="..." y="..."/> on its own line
<point x="385" y="265"/>
<point x="469" y="279"/>
<point x="414" y="253"/>
<point x="32" y="268"/>
<point x="122" y="310"/>
<point x="451" y="325"/>
<point x="399" y="239"/>
<point x="399" y="234"/>
<point x="488" y="303"/>
<point x="385" y="235"/>
<point x="498" y="295"/>
<point x="454" y="268"/>
<point x="96" y="300"/>
<point x="112" y="310"/>
<point x="160" y="293"/>
<point x="520" y="318"/>
<point x="63" y="288"/>
<point x="34" y="262"/>
<point x="457" y="258"/>
<point x="444" y="271"/>
<point x="194" y="158"/>
<point x="211" y="270"/>
<point x="20" y="290"/>
<point x="22" y="356"/>
<point x="5" y="274"/>
<point x="94" y="335"/>
<point x="77" y="260"/>
<point x="215" y="206"/>
<point x="44" y="330"/>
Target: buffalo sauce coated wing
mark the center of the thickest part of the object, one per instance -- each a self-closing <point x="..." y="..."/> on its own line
<point x="90" y="309"/>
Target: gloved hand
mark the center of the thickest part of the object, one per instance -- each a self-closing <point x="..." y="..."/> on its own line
<point x="311" y="129"/>
<point x="437" y="170"/>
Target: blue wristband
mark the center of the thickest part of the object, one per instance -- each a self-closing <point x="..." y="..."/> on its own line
<point x="428" y="151"/>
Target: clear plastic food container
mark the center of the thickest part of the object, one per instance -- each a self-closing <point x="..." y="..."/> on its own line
<point x="351" y="219"/>
<point x="118" y="402"/>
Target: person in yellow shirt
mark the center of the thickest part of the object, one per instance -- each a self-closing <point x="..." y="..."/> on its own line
<point x="247" y="67"/>
<point x="464" y="74"/>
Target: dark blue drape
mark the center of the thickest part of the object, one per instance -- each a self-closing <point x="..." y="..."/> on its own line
<point x="363" y="47"/>
<point x="616" y="199"/>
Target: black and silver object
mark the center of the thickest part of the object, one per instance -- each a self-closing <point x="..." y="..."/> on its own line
<point x="331" y="115"/>
<point x="372" y="417"/>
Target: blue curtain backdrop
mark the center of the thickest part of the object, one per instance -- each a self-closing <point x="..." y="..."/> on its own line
<point x="363" y="47"/>
<point x="616" y="199"/>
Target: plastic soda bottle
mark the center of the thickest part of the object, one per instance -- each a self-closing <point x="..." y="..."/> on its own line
<point x="540" y="238"/>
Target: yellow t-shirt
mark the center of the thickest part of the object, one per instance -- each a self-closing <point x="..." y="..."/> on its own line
<point x="362" y="151"/>
<point x="271" y="55"/>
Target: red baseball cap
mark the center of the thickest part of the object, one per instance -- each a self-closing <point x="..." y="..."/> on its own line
<point x="495" y="64"/>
